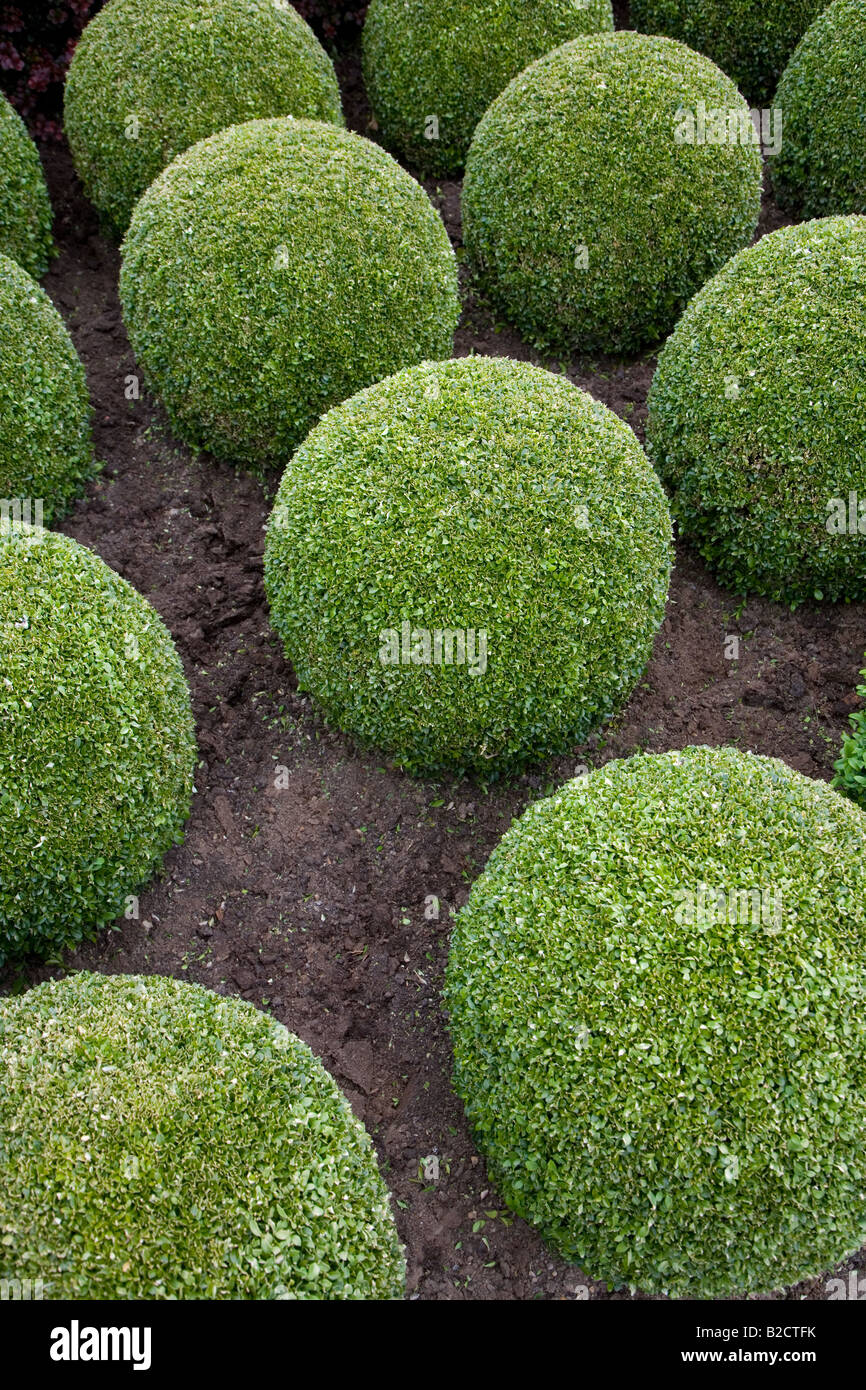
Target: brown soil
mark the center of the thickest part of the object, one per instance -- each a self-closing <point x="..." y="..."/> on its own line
<point x="310" y="900"/>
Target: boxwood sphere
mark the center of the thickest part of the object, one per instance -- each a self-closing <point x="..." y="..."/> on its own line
<point x="274" y="269"/>
<point x="820" y="168"/>
<point x="490" y="499"/>
<point x="673" y="1092"/>
<point x="25" y="211"/>
<point x="751" y="40"/>
<point x="149" y="78"/>
<point x="757" y="415"/>
<point x="97" y="755"/>
<point x="432" y="71"/>
<point x="162" y="1142"/>
<point x="589" y="218"/>
<point x="46" y="452"/>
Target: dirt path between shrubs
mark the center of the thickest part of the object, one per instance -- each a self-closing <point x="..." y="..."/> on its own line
<point x="307" y="879"/>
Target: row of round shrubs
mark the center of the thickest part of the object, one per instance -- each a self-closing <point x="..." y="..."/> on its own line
<point x="432" y="71"/>
<point x="282" y="264"/>
<point x="483" y="497"/>
<point x="237" y="376"/>
<point x="161" y="1142"/>
<point x="679" y="1162"/>
<point x="496" y="499"/>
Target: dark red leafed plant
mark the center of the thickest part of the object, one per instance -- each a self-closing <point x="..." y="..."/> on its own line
<point x="36" y="44"/>
<point x="334" y="21"/>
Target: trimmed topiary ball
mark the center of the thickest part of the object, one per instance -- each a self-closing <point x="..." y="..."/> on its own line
<point x="272" y="271"/>
<point x="25" y="211"/>
<point x="432" y="70"/>
<point x="162" y="1142"/>
<point x="591" y="212"/>
<point x="97" y="755"/>
<point x="751" y="40"/>
<point x="757" y="415"/>
<point x="149" y="78"/>
<point x="657" y="995"/>
<point x="851" y="768"/>
<point x="822" y="99"/>
<point x="467" y="564"/>
<point x="46" y="451"/>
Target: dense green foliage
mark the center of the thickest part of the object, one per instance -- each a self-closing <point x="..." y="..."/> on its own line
<point x="822" y="97"/>
<point x="25" y="211"/>
<point x="487" y="498"/>
<point x="97" y="749"/>
<point x="671" y="1084"/>
<point x="151" y="77"/>
<point x="46" y="452"/>
<point x="757" y="415"/>
<point x="589" y="215"/>
<point x="158" y="1141"/>
<point x="274" y="269"/>
<point x="751" y="40"/>
<point x="432" y="70"/>
<point x="851" y="767"/>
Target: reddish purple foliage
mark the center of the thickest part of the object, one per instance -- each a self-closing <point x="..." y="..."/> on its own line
<point x="36" y="45"/>
<point x="333" y="20"/>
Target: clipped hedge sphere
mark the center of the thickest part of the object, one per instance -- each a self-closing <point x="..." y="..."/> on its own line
<point x="25" y="211"/>
<point x="656" y="995"/>
<point x="467" y="564"/>
<point x="149" y="78"/>
<point x="432" y="70"/>
<point x="163" y="1142"/>
<point x="757" y="415"/>
<point x="591" y="213"/>
<point x="751" y="40"/>
<point x="97" y="755"/>
<point x="273" y="270"/>
<point x="46" y="451"/>
<point x="820" y="167"/>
